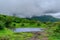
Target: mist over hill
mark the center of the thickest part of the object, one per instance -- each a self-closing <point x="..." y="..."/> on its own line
<point x="44" y="18"/>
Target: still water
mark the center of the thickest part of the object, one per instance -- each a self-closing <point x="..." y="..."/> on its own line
<point x="28" y="29"/>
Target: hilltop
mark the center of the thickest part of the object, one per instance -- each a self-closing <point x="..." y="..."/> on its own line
<point x="44" y="18"/>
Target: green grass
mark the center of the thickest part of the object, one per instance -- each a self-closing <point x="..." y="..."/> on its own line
<point x="23" y="36"/>
<point x="28" y="25"/>
<point x="5" y="32"/>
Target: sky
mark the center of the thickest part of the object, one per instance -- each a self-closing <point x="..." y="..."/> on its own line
<point x="29" y="8"/>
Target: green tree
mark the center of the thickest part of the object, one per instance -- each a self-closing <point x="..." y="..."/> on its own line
<point x="1" y="25"/>
<point x="22" y="24"/>
<point x="8" y="22"/>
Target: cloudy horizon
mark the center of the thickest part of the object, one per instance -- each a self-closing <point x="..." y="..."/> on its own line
<point x="28" y="8"/>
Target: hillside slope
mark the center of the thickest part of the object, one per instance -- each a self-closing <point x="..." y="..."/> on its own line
<point x="44" y="18"/>
<point x="12" y="21"/>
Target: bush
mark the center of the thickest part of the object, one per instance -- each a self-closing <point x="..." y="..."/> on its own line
<point x="1" y="25"/>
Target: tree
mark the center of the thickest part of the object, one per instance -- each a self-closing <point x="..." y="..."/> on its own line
<point x="22" y="24"/>
<point x="1" y="25"/>
<point x="8" y="22"/>
<point x="38" y="24"/>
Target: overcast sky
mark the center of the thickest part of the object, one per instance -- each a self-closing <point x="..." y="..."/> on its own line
<point x="28" y="8"/>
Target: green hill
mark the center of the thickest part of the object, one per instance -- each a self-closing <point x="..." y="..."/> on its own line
<point x="12" y="21"/>
<point x="44" y="18"/>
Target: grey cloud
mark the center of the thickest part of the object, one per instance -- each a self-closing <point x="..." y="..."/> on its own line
<point x="28" y="8"/>
<point x="57" y="15"/>
<point x="51" y="11"/>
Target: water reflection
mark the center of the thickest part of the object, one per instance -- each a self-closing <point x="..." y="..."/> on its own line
<point x="28" y="29"/>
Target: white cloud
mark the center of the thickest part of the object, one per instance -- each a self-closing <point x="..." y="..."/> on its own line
<point x="57" y="15"/>
<point x="30" y="7"/>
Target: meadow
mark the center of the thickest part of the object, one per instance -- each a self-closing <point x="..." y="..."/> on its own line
<point x="11" y="22"/>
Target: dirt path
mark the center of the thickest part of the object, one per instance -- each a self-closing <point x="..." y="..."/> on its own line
<point x="43" y="34"/>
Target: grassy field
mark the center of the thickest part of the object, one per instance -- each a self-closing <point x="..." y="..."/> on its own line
<point x="10" y="35"/>
<point x="8" y="22"/>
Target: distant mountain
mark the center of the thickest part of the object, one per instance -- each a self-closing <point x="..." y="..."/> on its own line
<point x="44" y="18"/>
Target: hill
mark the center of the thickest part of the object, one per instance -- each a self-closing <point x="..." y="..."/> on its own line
<point x="44" y="18"/>
<point x="12" y="21"/>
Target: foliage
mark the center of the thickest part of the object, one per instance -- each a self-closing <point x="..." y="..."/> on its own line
<point x="1" y="25"/>
<point x="44" y="18"/>
<point x="52" y="28"/>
